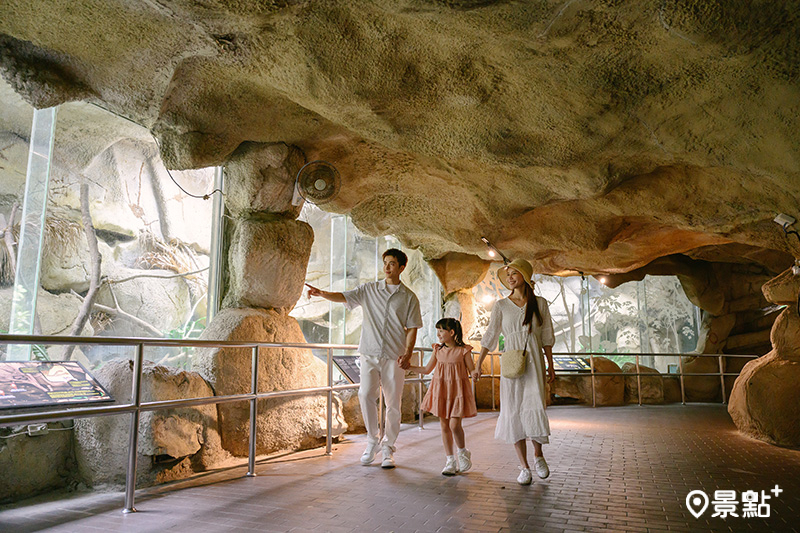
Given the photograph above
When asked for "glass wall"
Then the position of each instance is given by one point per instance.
(152, 235)
(341, 259)
(651, 316)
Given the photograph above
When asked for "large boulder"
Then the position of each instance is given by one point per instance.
(158, 297)
(459, 271)
(267, 262)
(652, 386)
(261, 177)
(764, 401)
(56, 312)
(283, 423)
(173, 443)
(34, 464)
(609, 390)
(699, 388)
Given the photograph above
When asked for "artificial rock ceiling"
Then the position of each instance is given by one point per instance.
(584, 135)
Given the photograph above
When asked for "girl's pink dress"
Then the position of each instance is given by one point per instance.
(450, 391)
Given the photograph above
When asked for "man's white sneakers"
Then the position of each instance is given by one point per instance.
(542, 470)
(369, 453)
(388, 458)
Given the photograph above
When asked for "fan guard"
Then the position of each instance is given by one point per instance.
(318, 182)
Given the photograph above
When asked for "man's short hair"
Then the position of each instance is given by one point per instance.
(402, 259)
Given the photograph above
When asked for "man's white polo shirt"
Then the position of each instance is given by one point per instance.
(387, 314)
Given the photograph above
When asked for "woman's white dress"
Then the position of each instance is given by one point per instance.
(522, 400)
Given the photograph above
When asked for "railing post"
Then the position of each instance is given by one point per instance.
(591, 367)
(329, 438)
(680, 373)
(251, 452)
(419, 392)
(722, 380)
(491, 378)
(133, 435)
(638, 380)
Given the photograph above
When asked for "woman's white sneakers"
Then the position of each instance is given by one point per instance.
(450, 467)
(542, 470)
(524, 477)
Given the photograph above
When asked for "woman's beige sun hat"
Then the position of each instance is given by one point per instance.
(521, 266)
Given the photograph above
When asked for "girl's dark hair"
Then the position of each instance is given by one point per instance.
(531, 307)
(453, 325)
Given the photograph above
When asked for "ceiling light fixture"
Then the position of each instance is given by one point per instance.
(493, 250)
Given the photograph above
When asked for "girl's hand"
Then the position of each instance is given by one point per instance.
(476, 375)
(551, 374)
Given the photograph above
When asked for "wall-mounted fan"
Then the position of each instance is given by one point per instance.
(317, 182)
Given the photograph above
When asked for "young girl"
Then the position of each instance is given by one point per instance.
(450, 395)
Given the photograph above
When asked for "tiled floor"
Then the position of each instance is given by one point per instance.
(614, 469)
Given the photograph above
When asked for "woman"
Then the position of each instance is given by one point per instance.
(524, 320)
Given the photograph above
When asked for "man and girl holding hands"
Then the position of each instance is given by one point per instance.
(389, 332)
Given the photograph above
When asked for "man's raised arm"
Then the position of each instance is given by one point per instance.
(331, 296)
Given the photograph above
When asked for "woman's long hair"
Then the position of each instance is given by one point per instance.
(531, 307)
(453, 325)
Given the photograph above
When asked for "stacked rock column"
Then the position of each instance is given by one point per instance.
(267, 260)
(765, 398)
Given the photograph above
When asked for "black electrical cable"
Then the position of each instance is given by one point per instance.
(787, 231)
(790, 232)
(203, 196)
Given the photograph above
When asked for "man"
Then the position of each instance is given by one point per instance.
(388, 334)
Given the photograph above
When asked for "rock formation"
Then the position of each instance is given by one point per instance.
(595, 137)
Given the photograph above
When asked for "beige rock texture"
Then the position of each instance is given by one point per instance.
(764, 400)
(25, 473)
(166, 436)
(652, 386)
(283, 423)
(459, 271)
(267, 262)
(595, 137)
(609, 390)
(261, 177)
(783, 289)
(589, 136)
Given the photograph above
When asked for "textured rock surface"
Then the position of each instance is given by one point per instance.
(765, 399)
(165, 436)
(260, 177)
(585, 136)
(652, 386)
(25, 473)
(267, 263)
(283, 423)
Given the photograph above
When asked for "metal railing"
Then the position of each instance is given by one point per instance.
(593, 374)
(136, 406)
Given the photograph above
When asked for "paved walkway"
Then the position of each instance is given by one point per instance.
(614, 469)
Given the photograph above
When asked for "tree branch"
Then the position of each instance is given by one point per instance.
(179, 275)
(94, 280)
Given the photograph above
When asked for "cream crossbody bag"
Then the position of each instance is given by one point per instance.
(512, 363)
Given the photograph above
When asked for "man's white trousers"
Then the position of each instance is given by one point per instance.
(377, 372)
